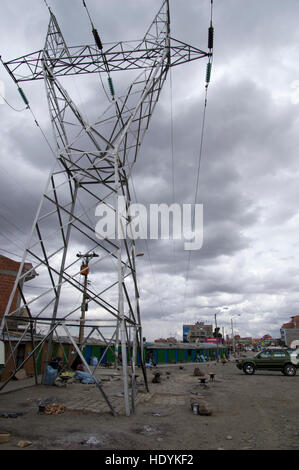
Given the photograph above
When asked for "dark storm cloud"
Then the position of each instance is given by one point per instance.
(248, 178)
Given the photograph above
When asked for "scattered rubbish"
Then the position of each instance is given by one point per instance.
(54, 409)
(41, 408)
(200, 407)
(4, 437)
(197, 372)
(159, 439)
(21, 375)
(92, 441)
(148, 430)
(181, 367)
(229, 438)
(23, 444)
(11, 415)
(195, 408)
(156, 379)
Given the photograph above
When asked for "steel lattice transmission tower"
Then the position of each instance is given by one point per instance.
(93, 165)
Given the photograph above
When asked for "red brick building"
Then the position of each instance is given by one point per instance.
(8, 273)
(294, 323)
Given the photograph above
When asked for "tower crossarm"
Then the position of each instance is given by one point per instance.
(88, 59)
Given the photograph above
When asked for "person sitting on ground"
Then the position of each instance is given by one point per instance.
(76, 362)
(53, 368)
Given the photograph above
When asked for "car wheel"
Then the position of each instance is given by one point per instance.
(249, 368)
(289, 370)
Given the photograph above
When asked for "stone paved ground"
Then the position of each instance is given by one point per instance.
(249, 412)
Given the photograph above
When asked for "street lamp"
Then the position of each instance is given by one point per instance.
(232, 326)
(217, 337)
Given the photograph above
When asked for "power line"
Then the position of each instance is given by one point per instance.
(172, 155)
(47, 5)
(11, 253)
(99, 44)
(148, 252)
(12, 107)
(208, 76)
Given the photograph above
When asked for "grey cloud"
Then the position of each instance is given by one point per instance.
(248, 179)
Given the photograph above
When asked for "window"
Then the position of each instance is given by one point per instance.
(279, 354)
(265, 354)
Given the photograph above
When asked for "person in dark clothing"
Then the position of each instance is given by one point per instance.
(76, 362)
(56, 363)
(52, 370)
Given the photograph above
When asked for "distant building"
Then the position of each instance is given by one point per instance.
(197, 333)
(8, 273)
(294, 323)
(290, 332)
(166, 341)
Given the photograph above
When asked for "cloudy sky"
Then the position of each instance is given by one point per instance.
(247, 268)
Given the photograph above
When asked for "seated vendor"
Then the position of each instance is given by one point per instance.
(52, 370)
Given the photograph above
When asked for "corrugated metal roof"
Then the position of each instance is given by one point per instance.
(183, 346)
(62, 339)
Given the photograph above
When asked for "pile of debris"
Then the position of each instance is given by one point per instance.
(52, 409)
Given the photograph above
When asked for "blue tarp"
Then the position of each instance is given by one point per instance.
(51, 375)
(84, 377)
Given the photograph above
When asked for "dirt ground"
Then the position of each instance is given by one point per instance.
(258, 412)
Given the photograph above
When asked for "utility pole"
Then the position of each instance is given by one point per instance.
(217, 336)
(233, 337)
(84, 271)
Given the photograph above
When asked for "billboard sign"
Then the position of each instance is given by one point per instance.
(186, 329)
(213, 340)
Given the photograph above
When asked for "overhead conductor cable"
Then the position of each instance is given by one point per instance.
(100, 47)
(208, 77)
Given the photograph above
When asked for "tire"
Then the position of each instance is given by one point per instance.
(289, 370)
(249, 368)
